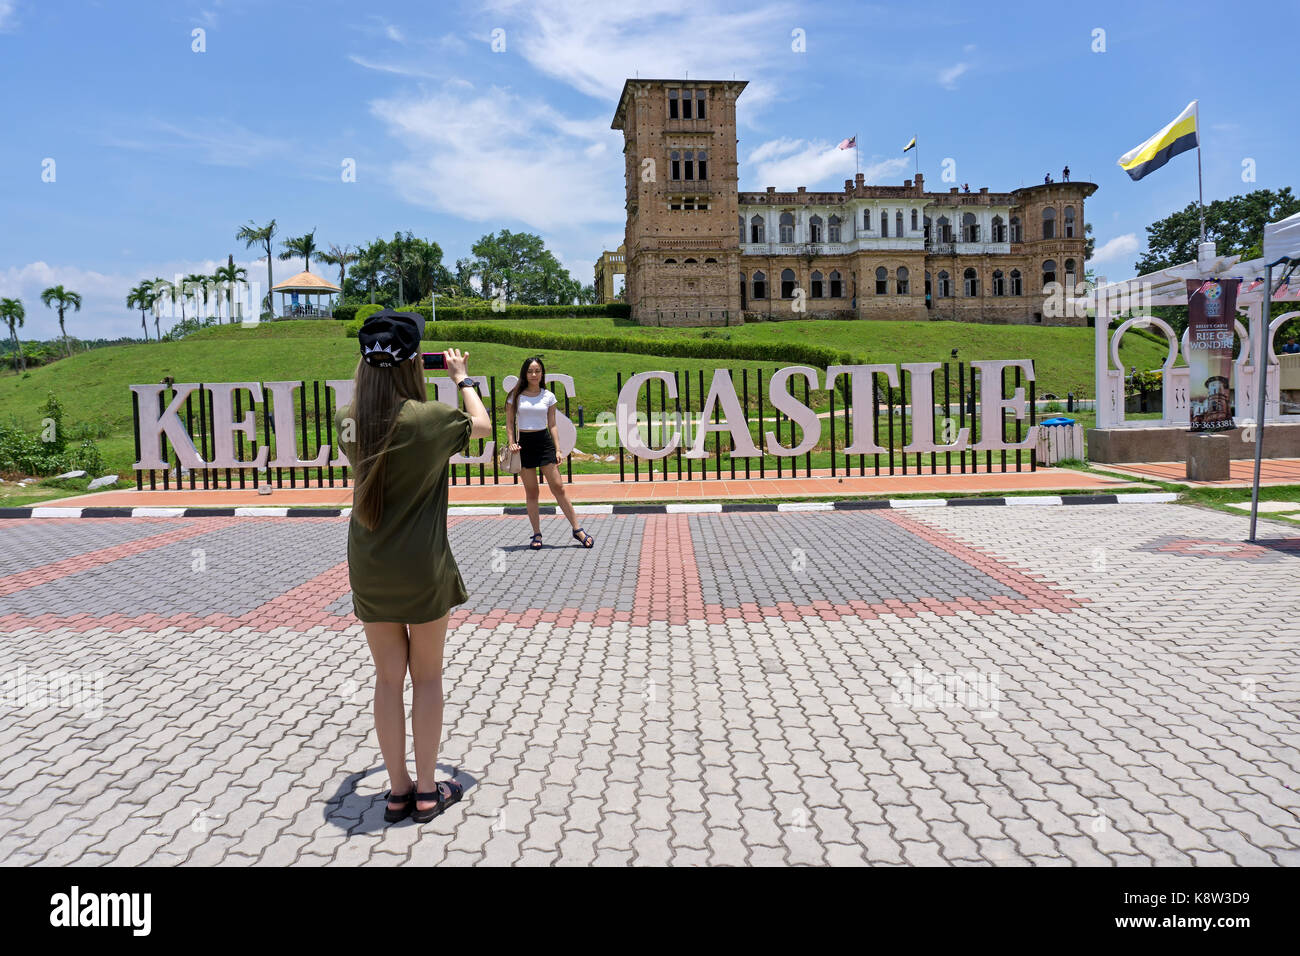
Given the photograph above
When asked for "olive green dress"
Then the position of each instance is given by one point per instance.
(403, 571)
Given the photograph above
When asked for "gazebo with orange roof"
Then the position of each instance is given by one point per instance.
(309, 285)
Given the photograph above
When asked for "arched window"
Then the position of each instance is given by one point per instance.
(866, 220)
(1049, 271)
(914, 220)
(816, 291)
(760, 286)
(999, 284)
(971, 281)
(1069, 224)
(1070, 278)
(833, 229)
(702, 157)
(1049, 223)
(787, 283)
(710, 259)
(927, 229)
(837, 286)
(882, 280)
(815, 229)
(999, 229)
(970, 229)
(689, 164)
(945, 229)
(787, 227)
(898, 223)
(1015, 229)
(756, 234)
(884, 222)
(676, 163)
(684, 261)
(944, 290)
(900, 279)
(686, 104)
(699, 109)
(1015, 283)
(669, 262)
(672, 104)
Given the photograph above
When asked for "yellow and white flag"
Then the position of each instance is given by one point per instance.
(910, 145)
(1178, 137)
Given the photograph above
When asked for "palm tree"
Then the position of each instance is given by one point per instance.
(395, 259)
(160, 289)
(11, 311)
(197, 286)
(227, 277)
(370, 263)
(341, 257)
(260, 235)
(61, 299)
(301, 246)
(141, 297)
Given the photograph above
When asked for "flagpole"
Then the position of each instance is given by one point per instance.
(1200, 190)
(857, 163)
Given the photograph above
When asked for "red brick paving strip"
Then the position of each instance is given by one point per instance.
(191, 527)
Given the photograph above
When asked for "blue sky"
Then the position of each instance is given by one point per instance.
(161, 153)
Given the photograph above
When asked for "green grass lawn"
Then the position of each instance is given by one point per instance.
(93, 385)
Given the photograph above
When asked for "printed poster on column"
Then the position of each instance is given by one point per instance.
(1211, 311)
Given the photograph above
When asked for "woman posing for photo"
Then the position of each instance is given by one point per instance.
(530, 418)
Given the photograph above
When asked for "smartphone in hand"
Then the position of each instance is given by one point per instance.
(435, 360)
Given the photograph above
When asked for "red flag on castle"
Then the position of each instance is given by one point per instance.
(850, 143)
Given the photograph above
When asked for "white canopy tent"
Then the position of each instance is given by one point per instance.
(1281, 251)
(1135, 297)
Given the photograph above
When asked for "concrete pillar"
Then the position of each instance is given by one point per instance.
(1207, 457)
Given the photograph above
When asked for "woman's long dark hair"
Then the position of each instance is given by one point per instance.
(376, 399)
(523, 379)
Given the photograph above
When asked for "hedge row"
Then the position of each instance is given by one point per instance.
(780, 352)
(617, 310)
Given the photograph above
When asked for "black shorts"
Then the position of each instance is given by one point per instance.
(537, 449)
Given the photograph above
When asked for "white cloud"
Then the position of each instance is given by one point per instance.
(215, 141)
(103, 309)
(948, 77)
(399, 69)
(787, 163)
(1121, 247)
(8, 15)
(595, 54)
(491, 155)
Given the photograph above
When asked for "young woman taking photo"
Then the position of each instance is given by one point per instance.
(403, 576)
(530, 420)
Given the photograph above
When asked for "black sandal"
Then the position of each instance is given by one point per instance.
(454, 792)
(536, 544)
(408, 806)
(586, 539)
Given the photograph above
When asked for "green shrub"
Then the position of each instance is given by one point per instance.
(47, 452)
(364, 312)
(503, 334)
(345, 313)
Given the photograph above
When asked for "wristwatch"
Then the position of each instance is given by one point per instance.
(468, 382)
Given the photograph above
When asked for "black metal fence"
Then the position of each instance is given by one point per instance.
(962, 394)
(890, 418)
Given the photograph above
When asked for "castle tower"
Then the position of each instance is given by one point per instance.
(682, 237)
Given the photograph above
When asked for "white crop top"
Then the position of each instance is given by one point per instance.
(531, 414)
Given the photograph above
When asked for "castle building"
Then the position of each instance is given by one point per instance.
(700, 252)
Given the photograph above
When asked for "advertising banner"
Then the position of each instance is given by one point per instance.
(1211, 309)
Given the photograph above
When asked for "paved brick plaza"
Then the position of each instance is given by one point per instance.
(1106, 684)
